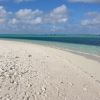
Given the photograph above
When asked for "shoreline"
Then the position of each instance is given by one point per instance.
(84, 54)
(37, 72)
(87, 55)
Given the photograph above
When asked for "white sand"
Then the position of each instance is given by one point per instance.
(35, 72)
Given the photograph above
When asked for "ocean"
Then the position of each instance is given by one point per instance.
(86, 44)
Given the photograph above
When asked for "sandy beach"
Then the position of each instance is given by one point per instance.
(36, 72)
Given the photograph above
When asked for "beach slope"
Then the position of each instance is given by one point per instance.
(35, 72)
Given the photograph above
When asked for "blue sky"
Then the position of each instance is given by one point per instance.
(50, 16)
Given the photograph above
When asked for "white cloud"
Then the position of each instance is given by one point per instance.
(19, 1)
(2, 12)
(59, 10)
(28, 13)
(92, 14)
(3, 15)
(91, 22)
(58, 15)
(93, 19)
(85, 1)
(29, 16)
(2, 20)
(13, 21)
(29, 19)
(38, 20)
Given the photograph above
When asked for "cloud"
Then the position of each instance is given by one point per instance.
(93, 19)
(28, 16)
(30, 20)
(19, 1)
(58, 15)
(3, 15)
(92, 14)
(85, 1)
(2, 12)
(28, 13)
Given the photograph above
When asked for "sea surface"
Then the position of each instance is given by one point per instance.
(84, 44)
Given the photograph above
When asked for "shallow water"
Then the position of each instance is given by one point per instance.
(87, 49)
(94, 50)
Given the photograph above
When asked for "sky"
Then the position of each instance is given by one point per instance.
(50, 16)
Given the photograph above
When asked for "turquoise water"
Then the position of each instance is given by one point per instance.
(68, 38)
(88, 44)
(87, 49)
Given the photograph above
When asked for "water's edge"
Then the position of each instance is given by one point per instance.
(86, 55)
